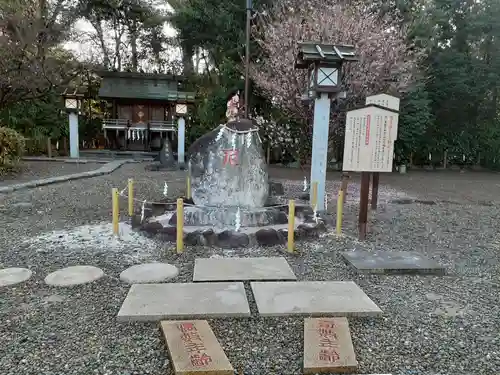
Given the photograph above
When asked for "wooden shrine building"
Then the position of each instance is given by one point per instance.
(144, 110)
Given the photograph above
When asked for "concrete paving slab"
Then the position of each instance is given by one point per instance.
(153, 302)
(74, 275)
(13, 276)
(149, 273)
(328, 346)
(314, 298)
(194, 349)
(236, 269)
(392, 262)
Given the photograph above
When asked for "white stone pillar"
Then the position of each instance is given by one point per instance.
(320, 147)
(181, 140)
(74, 149)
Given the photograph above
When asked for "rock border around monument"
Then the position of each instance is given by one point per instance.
(306, 228)
(227, 238)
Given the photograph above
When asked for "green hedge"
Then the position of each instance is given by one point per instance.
(12, 145)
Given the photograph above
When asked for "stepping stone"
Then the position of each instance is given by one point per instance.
(194, 349)
(149, 273)
(392, 262)
(153, 302)
(236, 269)
(317, 298)
(328, 346)
(12, 276)
(75, 275)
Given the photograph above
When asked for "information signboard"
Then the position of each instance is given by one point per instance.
(369, 139)
(384, 100)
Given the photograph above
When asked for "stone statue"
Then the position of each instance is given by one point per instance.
(233, 107)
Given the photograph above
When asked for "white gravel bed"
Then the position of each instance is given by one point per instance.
(431, 325)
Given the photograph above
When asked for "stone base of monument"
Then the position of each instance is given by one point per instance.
(215, 226)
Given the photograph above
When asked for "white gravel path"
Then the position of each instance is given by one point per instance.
(432, 325)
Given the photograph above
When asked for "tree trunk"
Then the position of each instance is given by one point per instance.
(133, 45)
(187, 59)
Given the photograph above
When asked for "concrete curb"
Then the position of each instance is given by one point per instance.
(65, 160)
(105, 169)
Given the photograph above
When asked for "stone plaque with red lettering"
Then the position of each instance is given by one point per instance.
(328, 346)
(194, 349)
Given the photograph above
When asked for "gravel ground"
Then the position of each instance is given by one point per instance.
(431, 325)
(35, 170)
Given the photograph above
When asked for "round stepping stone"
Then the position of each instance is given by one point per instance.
(149, 273)
(12, 276)
(75, 275)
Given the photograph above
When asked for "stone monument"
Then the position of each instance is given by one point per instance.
(166, 155)
(165, 159)
(227, 165)
(232, 203)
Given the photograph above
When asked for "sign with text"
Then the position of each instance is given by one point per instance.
(370, 133)
(194, 349)
(384, 100)
(328, 346)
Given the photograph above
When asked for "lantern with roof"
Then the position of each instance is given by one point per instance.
(323, 63)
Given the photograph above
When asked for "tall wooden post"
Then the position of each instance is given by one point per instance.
(363, 204)
(375, 182)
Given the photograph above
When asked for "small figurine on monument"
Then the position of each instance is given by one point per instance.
(234, 110)
(233, 107)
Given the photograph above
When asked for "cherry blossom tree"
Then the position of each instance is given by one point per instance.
(386, 62)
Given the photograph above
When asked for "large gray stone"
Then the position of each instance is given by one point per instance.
(232, 269)
(316, 298)
(228, 167)
(154, 302)
(149, 273)
(15, 275)
(75, 275)
(392, 262)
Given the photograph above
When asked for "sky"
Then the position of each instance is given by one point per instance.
(85, 49)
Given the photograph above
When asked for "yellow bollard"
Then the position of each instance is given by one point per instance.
(291, 226)
(130, 197)
(188, 186)
(180, 226)
(116, 210)
(314, 198)
(340, 209)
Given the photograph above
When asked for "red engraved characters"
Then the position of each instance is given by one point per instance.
(327, 341)
(230, 156)
(367, 132)
(194, 345)
(198, 360)
(328, 355)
